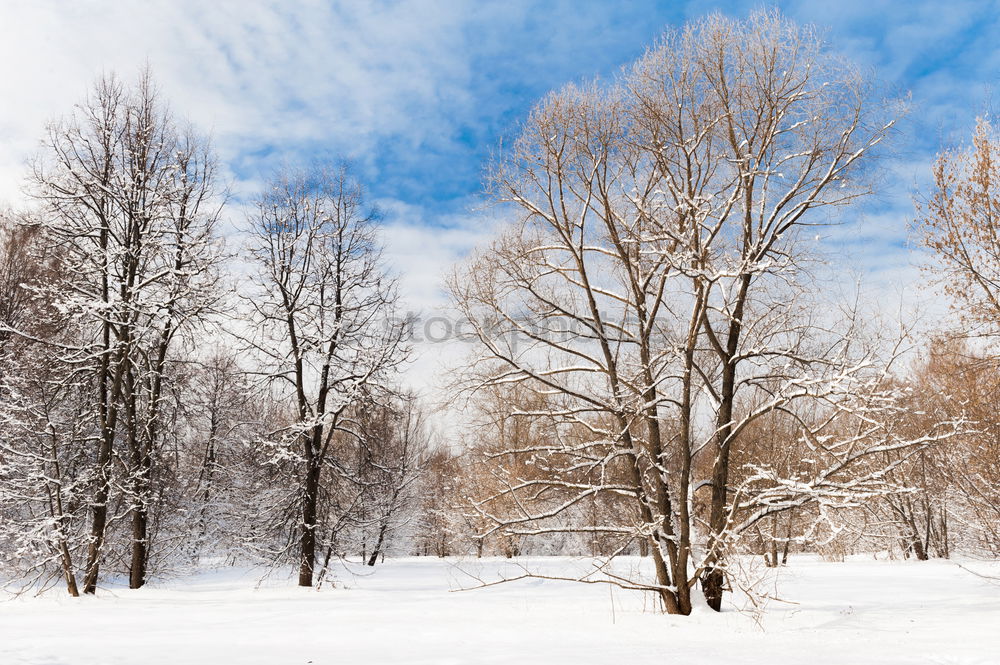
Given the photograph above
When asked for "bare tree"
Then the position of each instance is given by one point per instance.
(958, 223)
(129, 202)
(324, 309)
(657, 276)
(393, 442)
(43, 479)
(955, 500)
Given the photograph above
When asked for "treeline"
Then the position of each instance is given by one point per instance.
(938, 500)
(155, 412)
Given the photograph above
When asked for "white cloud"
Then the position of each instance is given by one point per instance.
(423, 250)
(272, 82)
(275, 81)
(259, 75)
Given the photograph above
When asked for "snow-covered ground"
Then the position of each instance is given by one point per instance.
(861, 611)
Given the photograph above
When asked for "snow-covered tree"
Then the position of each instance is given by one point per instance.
(655, 287)
(325, 332)
(392, 444)
(126, 200)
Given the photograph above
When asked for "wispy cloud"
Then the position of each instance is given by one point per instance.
(419, 93)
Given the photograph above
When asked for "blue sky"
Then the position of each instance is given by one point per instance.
(505, 56)
(948, 62)
(419, 93)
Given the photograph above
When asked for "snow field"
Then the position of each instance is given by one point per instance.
(405, 611)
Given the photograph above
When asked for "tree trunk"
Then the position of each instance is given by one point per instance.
(788, 541)
(108, 407)
(378, 545)
(71, 583)
(99, 515)
(144, 442)
(712, 585)
(713, 582)
(140, 550)
(945, 552)
(310, 499)
(67, 567)
(207, 478)
(326, 564)
(57, 512)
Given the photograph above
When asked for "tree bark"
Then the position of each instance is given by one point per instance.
(307, 541)
(378, 545)
(99, 515)
(140, 549)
